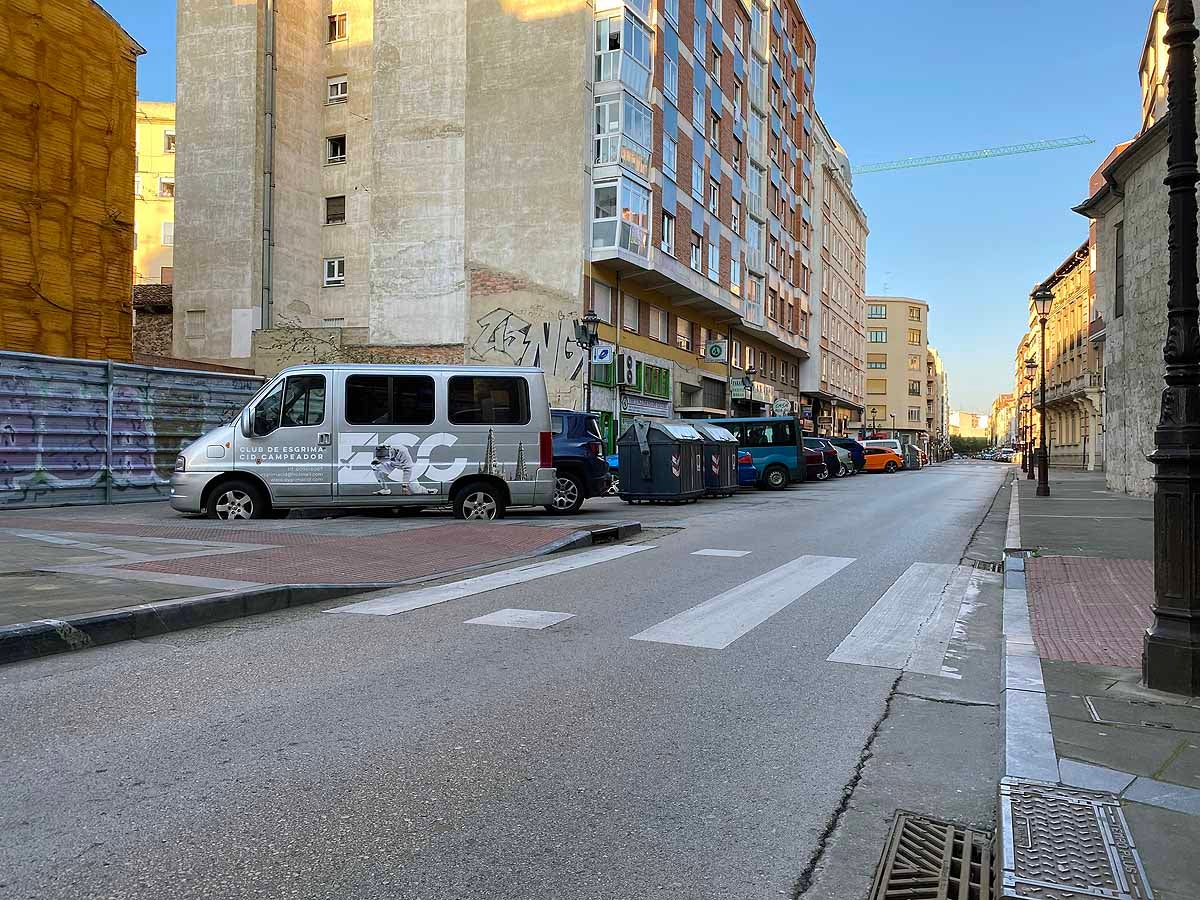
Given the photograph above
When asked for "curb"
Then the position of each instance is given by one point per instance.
(46, 637)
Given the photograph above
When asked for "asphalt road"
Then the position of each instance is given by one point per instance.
(318, 753)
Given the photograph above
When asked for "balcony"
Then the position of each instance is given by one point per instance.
(1096, 330)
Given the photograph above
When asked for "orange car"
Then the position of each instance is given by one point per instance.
(883, 459)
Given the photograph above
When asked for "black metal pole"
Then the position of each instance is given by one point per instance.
(1171, 654)
(1032, 454)
(1043, 488)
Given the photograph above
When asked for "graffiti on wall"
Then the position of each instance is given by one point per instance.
(62, 441)
(507, 339)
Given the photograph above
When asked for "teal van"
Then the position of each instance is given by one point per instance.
(776, 444)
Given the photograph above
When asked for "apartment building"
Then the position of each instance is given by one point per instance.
(154, 194)
(897, 352)
(68, 75)
(937, 396)
(1002, 421)
(394, 193)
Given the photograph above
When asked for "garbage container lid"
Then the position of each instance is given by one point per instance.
(716, 433)
(679, 431)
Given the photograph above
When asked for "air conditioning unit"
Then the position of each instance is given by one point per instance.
(627, 370)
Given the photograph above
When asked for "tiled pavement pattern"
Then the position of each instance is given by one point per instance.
(397, 556)
(1089, 610)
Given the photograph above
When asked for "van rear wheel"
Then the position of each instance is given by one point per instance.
(776, 478)
(478, 501)
(236, 500)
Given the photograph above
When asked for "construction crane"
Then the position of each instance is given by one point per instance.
(1011, 150)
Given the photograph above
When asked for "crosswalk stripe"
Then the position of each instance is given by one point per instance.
(430, 596)
(910, 627)
(717, 623)
(731, 554)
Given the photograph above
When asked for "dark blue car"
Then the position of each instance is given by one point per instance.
(857, 450)
(579, 460)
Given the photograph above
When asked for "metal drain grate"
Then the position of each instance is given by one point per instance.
(931, 860)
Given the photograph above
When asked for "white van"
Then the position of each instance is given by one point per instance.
(477, 438)
(890, 444)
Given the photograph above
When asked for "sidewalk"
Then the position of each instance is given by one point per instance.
(1077, 714)
(70, 576)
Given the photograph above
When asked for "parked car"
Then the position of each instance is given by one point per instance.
(889, 443)
(840, 464)
(747, 473)
(856, 450)
(581, 469)
(322, 435)
(774, 445)
(817, 467)
(884, 459)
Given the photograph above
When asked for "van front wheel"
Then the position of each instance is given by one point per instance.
(478, 501)
(235, 500)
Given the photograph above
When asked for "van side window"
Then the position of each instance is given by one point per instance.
(389, 400)
(785, 435)
(266, 412)
(759, 435)
(304, 401)
(488, 400)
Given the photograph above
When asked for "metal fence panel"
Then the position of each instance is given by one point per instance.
(75, 431)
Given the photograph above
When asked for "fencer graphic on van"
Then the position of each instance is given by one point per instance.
(478, 439)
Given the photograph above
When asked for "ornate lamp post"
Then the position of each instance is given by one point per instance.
(1084, 427)
(874, 419)
(1042, 301)
(1030, 368)
(1171, 654)
(586, 337)
(893, 426)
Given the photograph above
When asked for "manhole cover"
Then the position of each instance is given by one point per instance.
(1150, 713)
(1066, 844)
(927, 859)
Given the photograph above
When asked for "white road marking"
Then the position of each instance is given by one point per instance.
(521, 618)
(430, 596)
(732, 554)
(911, 625)
(718, 622)
(1012, 535)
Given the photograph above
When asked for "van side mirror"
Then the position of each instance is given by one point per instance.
(246, 422)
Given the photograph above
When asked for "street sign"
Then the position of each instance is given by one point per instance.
(716, 351)
(782, 407)
(604, 354)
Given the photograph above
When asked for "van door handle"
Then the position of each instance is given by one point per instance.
(324, 439)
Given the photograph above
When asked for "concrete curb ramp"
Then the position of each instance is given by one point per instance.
(46, 637)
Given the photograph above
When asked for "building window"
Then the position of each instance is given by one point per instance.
(1119, 273)
(714, 130)
(668, 233)
(608, 47)
(169, 141)
(604, 214)
(877, 336)
(914, 364)
(608, 128)
(735, 274)
(670, 155)
(630, 313)
(697, 181)
(875, 385)
(337, 27)
(335, 148)
(714, 195)
(914, 314)
(714, 64)
(338, 89)
(771, 366)
(602, 299)
(914, 336)
(335, 210)
(166, 186)
(671, 9)
(736, 356)
(914, 389)
(876, 360)
(876, 311)
(914, 414)
(735, 217)
(739, 35)
(658, 324)
(698, 107)
(335, 271)
(193, 323)
(696, 261)
(168, 234)
(683, 334)
(671, 77)
(714, 261)
(334, 322)
(166, 275)
(737, 154)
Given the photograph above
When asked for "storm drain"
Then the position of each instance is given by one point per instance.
(1066, 844)
(930, 860)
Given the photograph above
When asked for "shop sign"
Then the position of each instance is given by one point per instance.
(645, 406)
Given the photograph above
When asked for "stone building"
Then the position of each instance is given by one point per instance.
(1002, 421)
(937, 396)
(68, 85)
(897, 384)
(400, 191)
(152, 320)
(154, 195)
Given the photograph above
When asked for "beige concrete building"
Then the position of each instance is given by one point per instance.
(937, 397)
(897, 354)
(374, 180)
(154, 194)
(969, 424)
(1002, 421)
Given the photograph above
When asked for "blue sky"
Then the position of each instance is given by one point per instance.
(898, 78)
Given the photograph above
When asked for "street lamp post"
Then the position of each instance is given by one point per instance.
(1030, 368)
(1171, 654)
(874, 419)
(894, 427)
(1084, 427)
(1042, 301)
(586, 337)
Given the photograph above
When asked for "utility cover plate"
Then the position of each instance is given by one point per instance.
(1147, 713)
(1060, 843)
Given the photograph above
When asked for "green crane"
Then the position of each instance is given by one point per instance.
(1011, 150)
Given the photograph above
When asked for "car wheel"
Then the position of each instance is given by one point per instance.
(843, 471)
(478, 501)
(237, 500)
(823, 473)
(776, 478)
(890, 467)
(568, 495)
